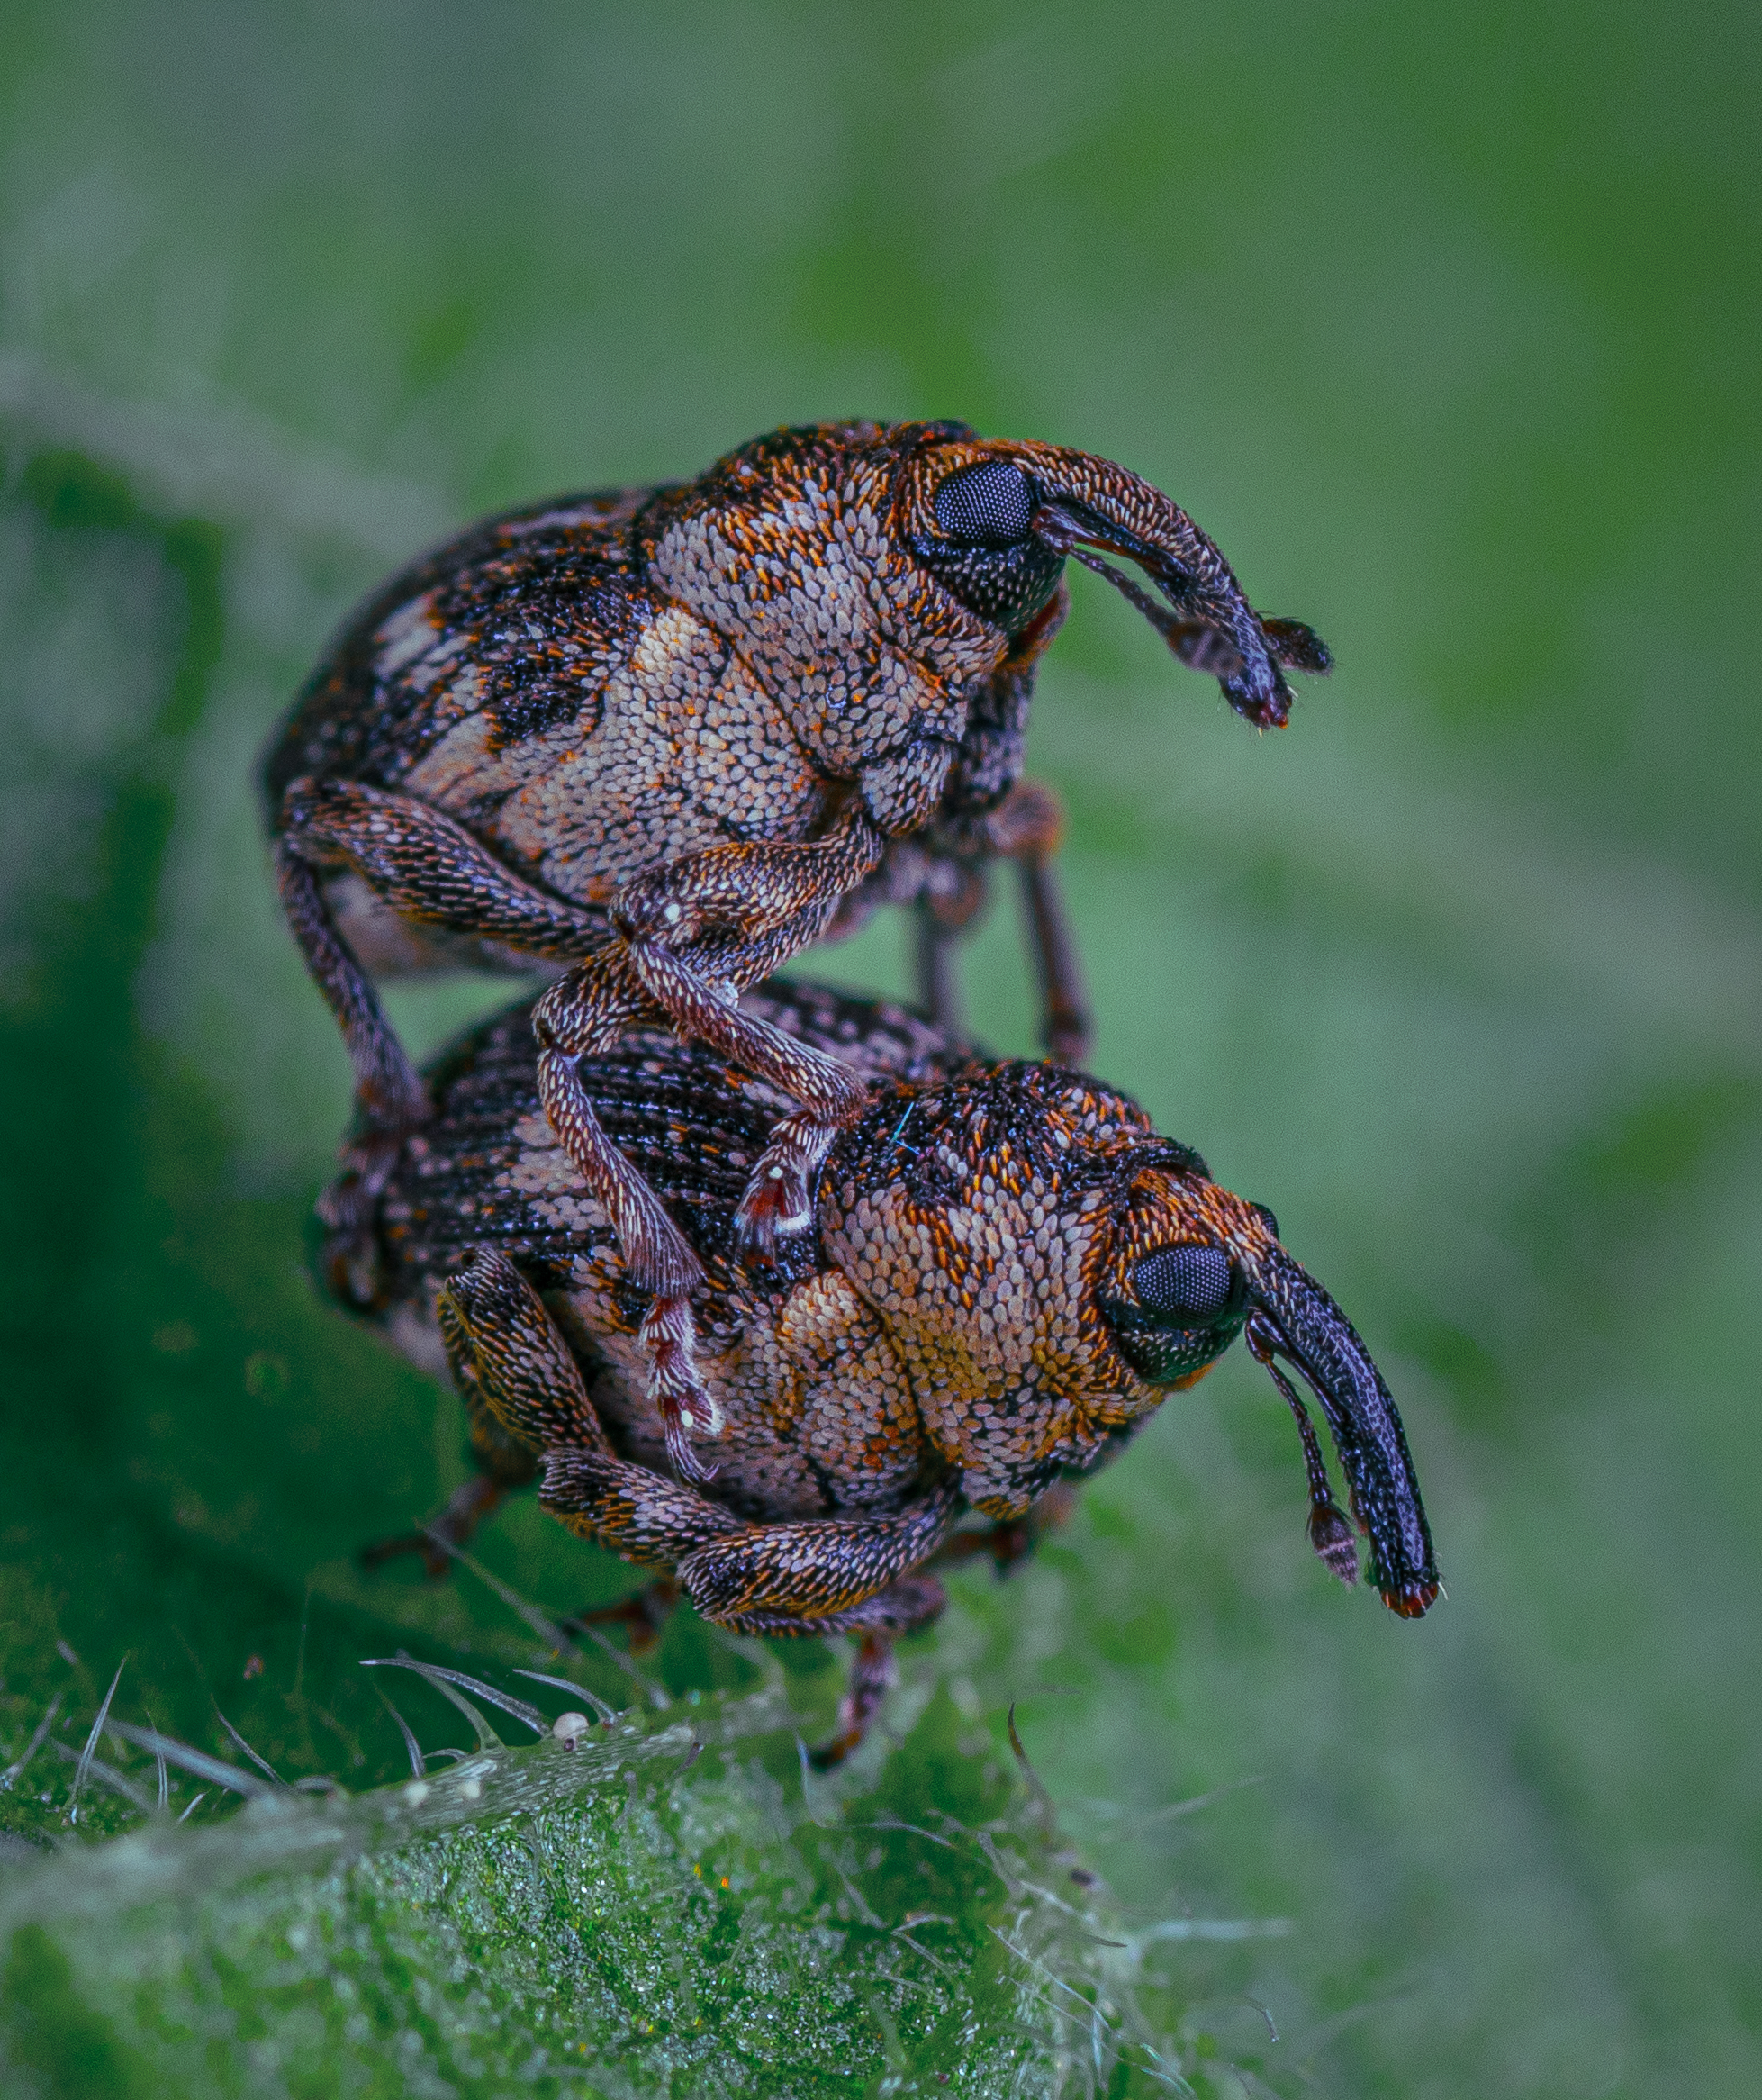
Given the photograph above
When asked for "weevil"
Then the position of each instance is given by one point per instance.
(666, 738)
(1008, 1271)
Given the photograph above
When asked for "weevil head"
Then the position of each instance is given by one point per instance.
(874, 575)
(1190, 1266)
(995, 523)
(1027, 1240)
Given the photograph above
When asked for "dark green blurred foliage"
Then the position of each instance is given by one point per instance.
(1443, 323)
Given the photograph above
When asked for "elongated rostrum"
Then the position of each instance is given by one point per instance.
(1006, 1273)
(663, 738)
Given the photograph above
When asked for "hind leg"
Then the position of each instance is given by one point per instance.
(697, 932)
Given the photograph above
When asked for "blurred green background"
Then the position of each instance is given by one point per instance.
(1443, 323)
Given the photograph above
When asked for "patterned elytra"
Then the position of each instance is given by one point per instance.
(988, 505)
(1186, 1283)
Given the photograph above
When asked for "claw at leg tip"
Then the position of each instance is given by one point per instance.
(1414, 1601)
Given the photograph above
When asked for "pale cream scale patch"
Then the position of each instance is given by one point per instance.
(404, 635)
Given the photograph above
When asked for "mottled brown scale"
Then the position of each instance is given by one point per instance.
(663, 739)
(980, 1312)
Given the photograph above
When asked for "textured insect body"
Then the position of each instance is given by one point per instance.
(669, 737)
(1007, 1272)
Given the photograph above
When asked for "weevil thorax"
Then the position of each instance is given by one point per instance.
(989, 1221)
(790, 547)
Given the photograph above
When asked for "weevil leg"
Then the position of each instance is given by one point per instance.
(391, 1099)
(631, 1510)
(1011, 1540)
(740, 911)
(1027, 827)
(913, 1602)
(468, 1507)
(392, 1095)
(874, 1674)
(907, 1604)
(1066, 1030)
(933, 953)
(954, 894)
(524, 1391)
(646, 1612)
(778, 1194)
(582, 1016)
(491, 1356)
(510, 1361)
(697, 932)
(815, 1573)
(754, 890)
(427, 868)
(822, 1576)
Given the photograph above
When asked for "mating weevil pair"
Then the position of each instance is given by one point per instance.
(1008, 1271)
(668, 737)
(661, 740)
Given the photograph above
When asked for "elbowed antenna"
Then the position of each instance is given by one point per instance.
(1296, 1318)
(1090, 508)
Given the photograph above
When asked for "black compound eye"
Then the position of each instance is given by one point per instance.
(986, 505)
(1184, 1283)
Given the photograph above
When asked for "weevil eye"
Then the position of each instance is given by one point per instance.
(1184, 1284)
(1187, 1307)
(986, 505)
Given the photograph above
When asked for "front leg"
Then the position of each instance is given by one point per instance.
(779, 1193)
(822, 1575)
(1027, 826)
(829, 1575)
(643, 1614)
(954, 894)
(699, 931)
(814, 1576)
(825, 1576)
(1011, 1541)
(508, 1359)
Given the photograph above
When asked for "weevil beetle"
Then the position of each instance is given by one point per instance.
(1007, 1272)
(660, 736)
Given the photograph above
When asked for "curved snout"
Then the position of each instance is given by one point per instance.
(1087, 503)
(1319, 1340)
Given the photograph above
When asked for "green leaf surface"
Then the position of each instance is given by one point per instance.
(1443, 323)
(658, 1906)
